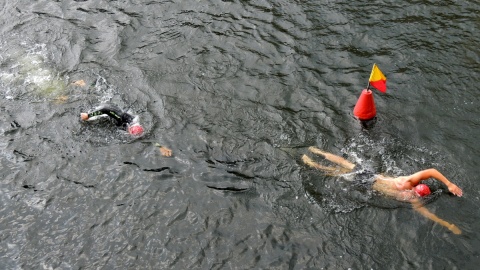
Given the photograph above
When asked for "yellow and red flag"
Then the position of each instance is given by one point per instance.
(377, 79)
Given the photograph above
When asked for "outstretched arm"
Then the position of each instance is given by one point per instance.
(87, 116)
(433, 173)
(426, 213)
(110, 110)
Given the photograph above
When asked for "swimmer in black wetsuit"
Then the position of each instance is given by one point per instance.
(122, 119)
(402, 188)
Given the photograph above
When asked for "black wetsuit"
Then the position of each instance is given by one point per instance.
(121, 118)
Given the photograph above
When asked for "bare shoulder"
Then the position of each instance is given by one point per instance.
(383, 177)
(383, 185)
(388, 187)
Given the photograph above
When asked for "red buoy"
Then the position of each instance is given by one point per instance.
(365, 108)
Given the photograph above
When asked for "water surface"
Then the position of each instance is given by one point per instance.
(238, 90)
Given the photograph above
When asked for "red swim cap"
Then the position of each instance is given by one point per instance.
(135, 130)
(422, 190)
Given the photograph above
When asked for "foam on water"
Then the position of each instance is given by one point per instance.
(26, 72)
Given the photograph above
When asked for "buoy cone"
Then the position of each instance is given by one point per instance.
(365, 107)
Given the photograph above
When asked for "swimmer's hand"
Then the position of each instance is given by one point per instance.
(455, 190)
(166, 152)
(84, 116)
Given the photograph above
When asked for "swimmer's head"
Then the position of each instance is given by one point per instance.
(422, 190)
(135, 129)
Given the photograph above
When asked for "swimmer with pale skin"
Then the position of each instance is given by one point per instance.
(122, 119)
(402, 188)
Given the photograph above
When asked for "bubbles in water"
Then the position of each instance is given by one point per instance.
(104, 89)
(26, 71)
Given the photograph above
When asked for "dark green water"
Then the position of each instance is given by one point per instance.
(238, 90)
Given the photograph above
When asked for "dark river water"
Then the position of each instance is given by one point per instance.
(238, 90)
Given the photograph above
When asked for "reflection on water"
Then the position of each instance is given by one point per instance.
(238, 91)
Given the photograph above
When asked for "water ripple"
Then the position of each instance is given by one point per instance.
(238, 90)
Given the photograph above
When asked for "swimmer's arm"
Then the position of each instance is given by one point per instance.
(416, 178)
(88, 116)
(113, 112)
(426, 213)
